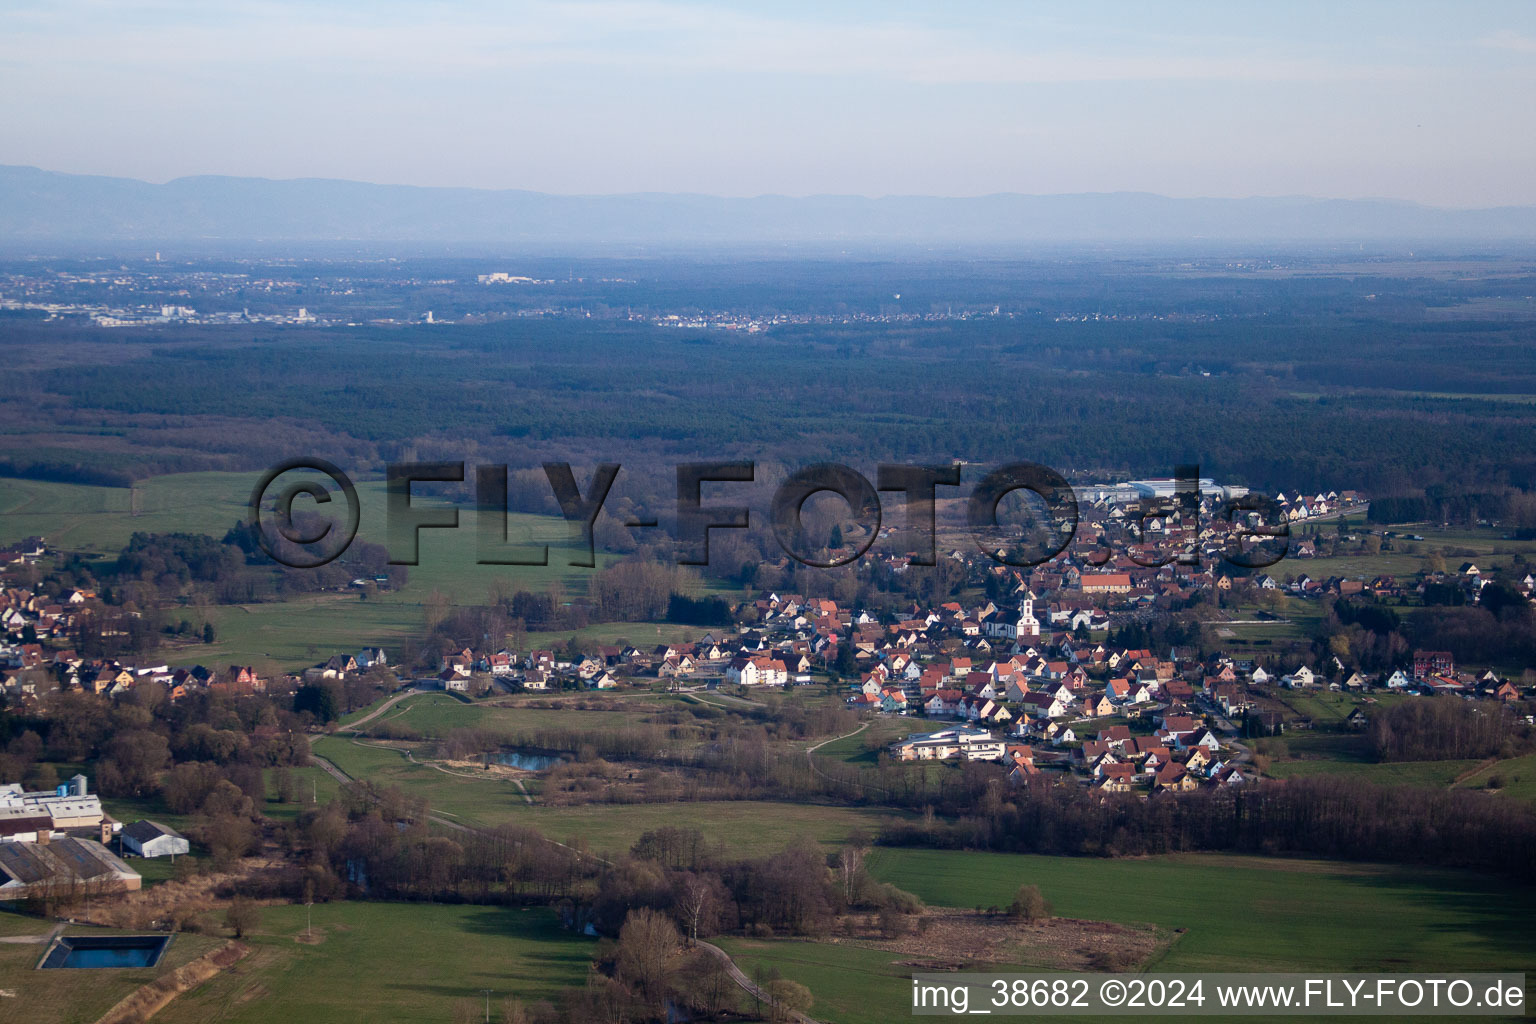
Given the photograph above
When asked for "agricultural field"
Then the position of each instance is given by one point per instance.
(99, 520)
(644, 635)
(745, 828)
(1348, 754)
(291, 635)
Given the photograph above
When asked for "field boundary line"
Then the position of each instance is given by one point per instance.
(1472, 773)
(149, 999)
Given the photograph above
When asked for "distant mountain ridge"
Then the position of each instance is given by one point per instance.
(49, 207)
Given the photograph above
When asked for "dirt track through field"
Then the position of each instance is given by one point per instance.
(150, 999)
(747, 985)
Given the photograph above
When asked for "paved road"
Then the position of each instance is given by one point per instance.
(746, 984)
(1229, 732)
(376, 712)
(810, 751)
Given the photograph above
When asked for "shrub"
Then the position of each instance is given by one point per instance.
(1029, 904)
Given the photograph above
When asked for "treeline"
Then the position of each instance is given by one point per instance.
(67, 473)
(1475, 634)
(673, 888)
(1319, 816)
(1432, 729)
(206, 757)
(134, 739)
(155, 569)
(698, 611)
(1442, 504)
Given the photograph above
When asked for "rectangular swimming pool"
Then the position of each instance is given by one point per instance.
(106, 951)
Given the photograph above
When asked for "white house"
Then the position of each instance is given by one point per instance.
(963, 742)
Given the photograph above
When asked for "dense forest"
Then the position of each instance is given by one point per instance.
(1279, 382)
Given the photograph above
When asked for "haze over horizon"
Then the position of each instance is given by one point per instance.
(1418, 101)
(42, 207)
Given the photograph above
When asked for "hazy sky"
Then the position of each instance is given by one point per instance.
(1428, 101)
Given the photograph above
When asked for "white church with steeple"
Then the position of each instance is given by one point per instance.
(1022, 627)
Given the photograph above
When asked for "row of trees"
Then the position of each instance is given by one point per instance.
(1320, 817)
(1436, 730)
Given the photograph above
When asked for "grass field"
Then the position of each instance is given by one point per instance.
(1349, 754)
(289, 635)
(388, 962)
(1389, 773)
(1238, 914)
(745, 827)
(850, 984)
(644, 635)
(80, 517)
(73, 996)
(311, 785)
(866, 746)
(1516, 775)
(12, 923)
(1252, 913)
(434, 714)
(100, 520)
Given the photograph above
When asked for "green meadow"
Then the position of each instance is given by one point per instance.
(743, 827)
(64, 996)
(1387, 773)
(98, 521)
(1513, 777)
(865, 746)
(388, 962)
(1227, 914)
(1253, 913)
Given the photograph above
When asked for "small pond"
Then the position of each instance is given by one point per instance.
(526, 761)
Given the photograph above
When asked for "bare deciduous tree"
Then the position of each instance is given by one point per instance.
(646, 942)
